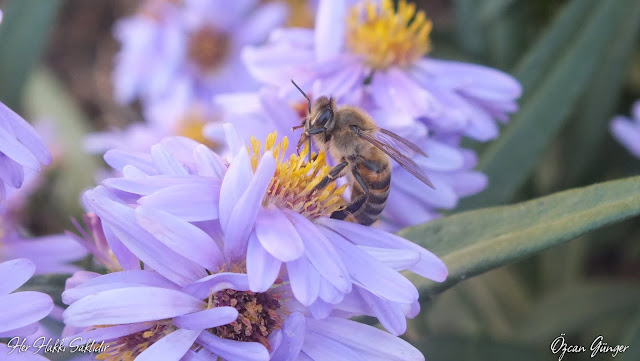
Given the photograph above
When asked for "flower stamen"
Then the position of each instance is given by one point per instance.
(386, 37)
(258, 315)
(293, 184)
(129, 347)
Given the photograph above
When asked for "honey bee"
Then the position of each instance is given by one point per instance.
(362, 150)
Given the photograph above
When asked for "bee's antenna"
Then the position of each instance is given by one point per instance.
(305, 95)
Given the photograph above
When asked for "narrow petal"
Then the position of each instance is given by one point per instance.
(293, 332)
(28, 330)
(329, 293)
(320, 309)
(233, 350)
(367, 340)
(218, 282)
(246, 210)
(330, 27)
(398, 260)
(322, 348)
(14, 274)
(152, 184)
(262, 268)
(193, 202)
(118, 159)
(181, 236)
(372, 274)
(121, 220)
(26, 134)
(15, 150)
(14, 352)
(116, 280)
(305, 280)
(26, 308)
(209, 163)
(105, 333)
(165, 161)
(130, 305)
(234, 141)
(235, 182)
(430, 265)
(171, 347)
(321, 253)
(277, 235)
(202, 320)
(389, 314)
(11, 172)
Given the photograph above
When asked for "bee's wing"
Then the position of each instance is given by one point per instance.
(399, 149)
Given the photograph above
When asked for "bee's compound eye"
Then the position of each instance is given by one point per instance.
(323, 118)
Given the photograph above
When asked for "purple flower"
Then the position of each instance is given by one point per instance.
(627, 130)
(142, 314)
(189, 51)
(21, 310)
(369, 52)
(410, 201)
(261, 210)
(20, 147)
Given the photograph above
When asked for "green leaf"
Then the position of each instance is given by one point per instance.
(25, 28)
(456, 348)
(590, 125)
(564, 69)
(573, 308)
(632, 336)
(474, 242)
(46, 98)
(471, 34)
(491, 10)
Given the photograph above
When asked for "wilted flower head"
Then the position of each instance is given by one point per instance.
(20, 147)
(22, 310)
(369, 51)
(627, 130)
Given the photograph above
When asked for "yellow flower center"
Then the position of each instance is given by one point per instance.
(127, 348)
(300, 13)
(386, 37)
(293, 184)
(191, 126)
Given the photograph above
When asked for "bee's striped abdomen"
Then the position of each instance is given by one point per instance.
(377, 177)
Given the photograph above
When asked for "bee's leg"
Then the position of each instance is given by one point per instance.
(333, 174)
(303, 138)
(356, 204)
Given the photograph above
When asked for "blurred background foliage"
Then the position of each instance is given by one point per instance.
(568, 263)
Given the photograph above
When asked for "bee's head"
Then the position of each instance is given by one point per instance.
(321, 119)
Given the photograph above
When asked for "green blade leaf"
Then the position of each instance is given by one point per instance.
(24, 31)
(456, 348)
(549, 101)
(474, 242)
(590, 126)
(573, 308)
(46, 98)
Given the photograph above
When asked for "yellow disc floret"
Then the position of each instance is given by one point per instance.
(386, 37)
(294, 181)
